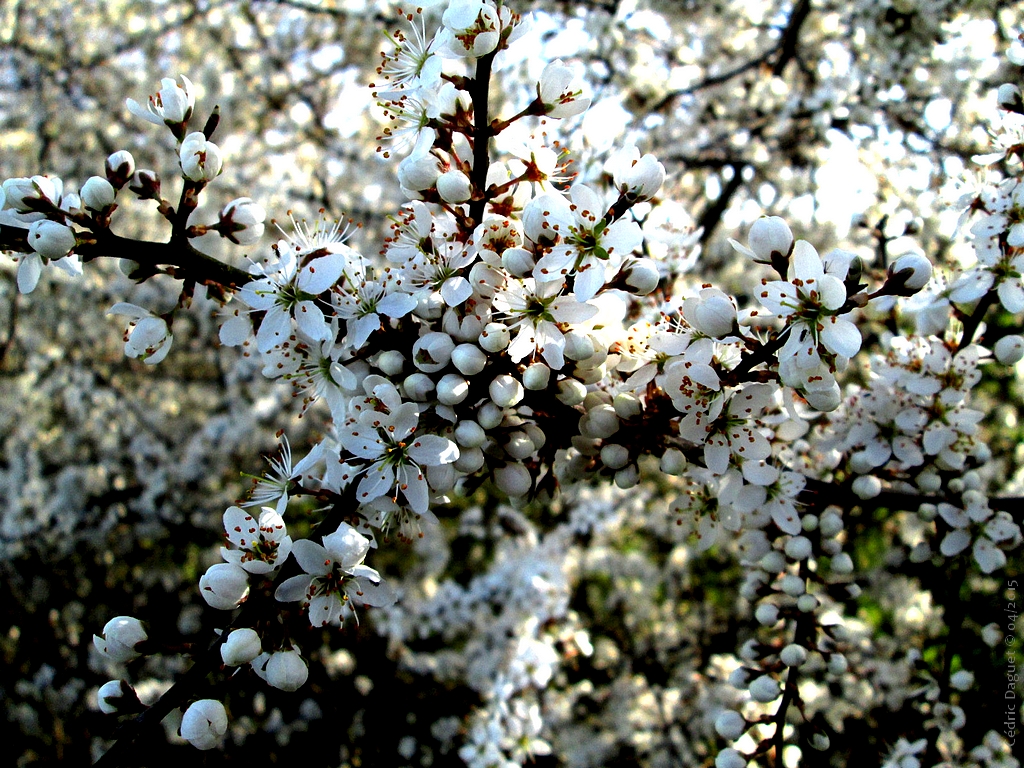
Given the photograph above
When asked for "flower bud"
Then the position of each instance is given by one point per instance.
(519, 446)
(200, 159)
(793, 655)
(432, 352)
(452, 389)
(770, 239)
(842, 563)
(764, 689)
(830, 524)
(866, 487)
(798, 548)
(117, 697)
(489, 415)
(98, 194)
(627, 477)
(712, 313)
(536, 376)
(454, 187)
(119, 638)
(513, 479)
(820, 741)
(730, 724)
(23, 194)
(614, 456)
(418, 386)
(418, 172)
(767, 614)
(792, 585)
(469, 434)
(469, 461)
(1009, 349)
(241, 647)
(641, 276)
(962, 680)
(286, 670)
(578, 346)
(391, 362)
(204, 723)
(600, 422)
(50, 239)
(1009, 98)
(730, 758)
(806, 603)
(673, 462)
(495, 337)
(571, 392)
(469, 359)
(627, 405)
(241, 221)
(119, 168)
(773, 562)
(908, 274)
(146, 184)
(739, 678)
(224, 586)
(505, 391)
(837, 664)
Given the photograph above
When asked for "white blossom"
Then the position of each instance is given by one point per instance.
(204, 723)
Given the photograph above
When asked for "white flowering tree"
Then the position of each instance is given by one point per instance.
(566, 480)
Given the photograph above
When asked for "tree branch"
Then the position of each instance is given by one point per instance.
(188, 263)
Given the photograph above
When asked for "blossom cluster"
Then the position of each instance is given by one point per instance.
(512, 330)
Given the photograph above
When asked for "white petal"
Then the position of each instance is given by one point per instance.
(841, 336)
(955, 542)
(30, 267)
(988, 556)
(433, 450)
(373, 594)
(322, 273)
(311, 321)
(456, 290)
(235, 331)
(396, 305)
(312, 557)
(414, 488)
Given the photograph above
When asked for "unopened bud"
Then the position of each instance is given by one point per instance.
(204, 723)
(764, 689)
(908, 274)
(224, 586)
(146, 184)
(241, 647)
(505, 391)
(771, 240)
(119, 168)
(98, 194)
(495, 337)
(469, 359)
(641, 276)
(1009, 98)
(536, 376)
(513, 479)
(454, 187)
(286, 670)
